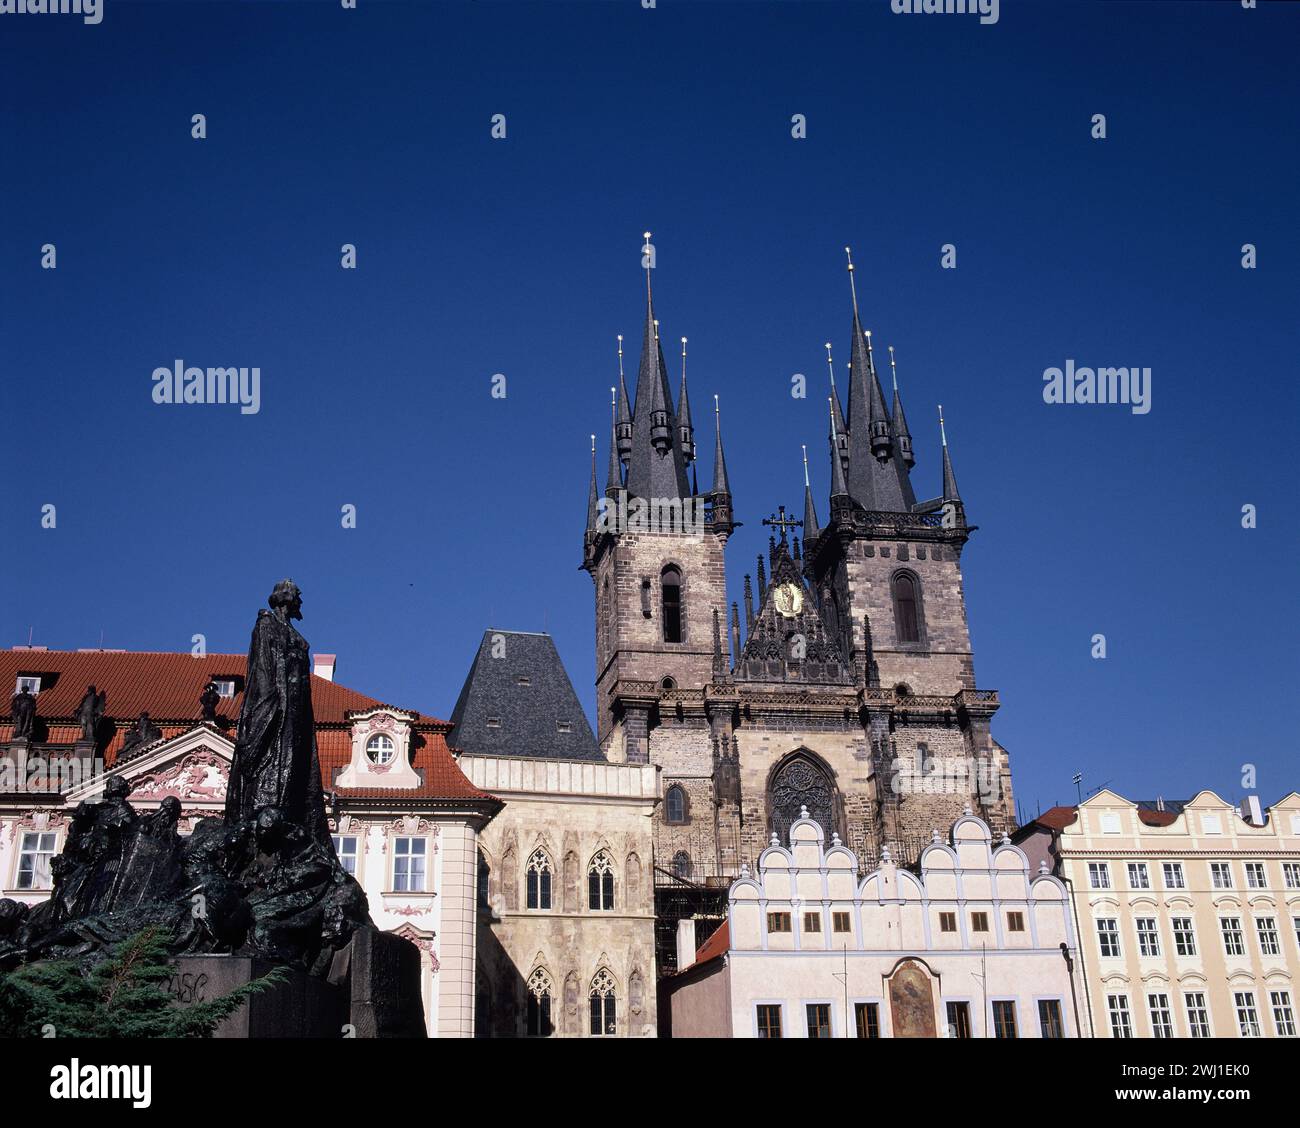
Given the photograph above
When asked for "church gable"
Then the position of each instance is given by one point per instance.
(193, 767)
(788, 640)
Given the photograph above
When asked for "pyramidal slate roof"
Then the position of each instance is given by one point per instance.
(518, 701)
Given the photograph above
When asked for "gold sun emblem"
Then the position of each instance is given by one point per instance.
(788, 599)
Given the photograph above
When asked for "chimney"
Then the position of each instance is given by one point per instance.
(1160, 802)
(1251, 812)
(685, 944)
(323, 666)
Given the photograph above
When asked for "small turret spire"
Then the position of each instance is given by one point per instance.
(614, 474)
(811, 528)
(749, 605)
(902, 436)
(838, 486)
(762, 581)
(685, 432)
(593, 502)
(837, 413)
(623, 424)
(721, 483)
(949, 478)
(719, 662)
(735, 633)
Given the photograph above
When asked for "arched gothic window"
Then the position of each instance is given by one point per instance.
(600, 882)
(682, 865)
(675, 805)
(540, 993)
(670, 587)
(601, 997)
(539, 880)
(907, 618)
(801, 782)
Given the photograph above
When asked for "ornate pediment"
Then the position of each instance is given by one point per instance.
(193, 767)
(788, 639)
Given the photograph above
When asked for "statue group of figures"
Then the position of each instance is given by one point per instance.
(261, 880)
(90, 716)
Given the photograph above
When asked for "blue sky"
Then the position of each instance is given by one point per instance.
(328, 126)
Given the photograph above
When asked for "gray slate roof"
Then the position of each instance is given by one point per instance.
(527, 691)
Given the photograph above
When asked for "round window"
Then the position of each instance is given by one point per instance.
(380, 749)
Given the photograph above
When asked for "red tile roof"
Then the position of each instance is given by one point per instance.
(716, 945)
(1058, 818)
(167, 686)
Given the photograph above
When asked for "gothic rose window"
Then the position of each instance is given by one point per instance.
(600, 882)
(801, 782)
(539, 880)
(601, 997)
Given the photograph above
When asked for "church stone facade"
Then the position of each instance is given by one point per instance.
(844, 681)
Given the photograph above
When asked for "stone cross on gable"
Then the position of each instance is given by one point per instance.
(782, 522)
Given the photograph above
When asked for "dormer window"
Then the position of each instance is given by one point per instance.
(379, 749)
(29, 682)
(494, 722)
(225, 686)
(563, 726)
(523, 679)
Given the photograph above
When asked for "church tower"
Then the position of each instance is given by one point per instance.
(654, 549)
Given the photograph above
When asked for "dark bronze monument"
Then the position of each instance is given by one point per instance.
(262, 883)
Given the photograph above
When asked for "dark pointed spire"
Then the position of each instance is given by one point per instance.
(749, 605)
(902, 436)
(685, 432)
(593, 496)
(811, 529)
(614, 476)
(719, 663)
(623, 425)
(735, 633)
(838, 486)
(949, 478)
(762, 581)
(656, 465)
(838, 426)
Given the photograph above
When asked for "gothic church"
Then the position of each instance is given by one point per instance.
(847, 684)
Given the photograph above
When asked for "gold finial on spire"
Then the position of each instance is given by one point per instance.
(613, 405)
(716, 408)
(683, 358)
(593, 446)
(852, 288)
(892, 368)
(830, 363)
(805, 464)
(942, 433)
(620, 356)
(656, 330)
(870, 360)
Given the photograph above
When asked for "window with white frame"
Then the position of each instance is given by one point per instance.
(1174, 875)
(1108, 935)
(1247, 1016)
(1121, 1022)
(1138, 877)
(345, 846)
(1266, 929)
(408, 864)
(1255, 877)
(225, 687)
(379, 749)
(1098, 875)
(35, 853)
(1148, 936)
(1221, 875)
(1198, 1014)
(1291, 874)
(1232, 941)
(1162, 1021)
(29, 682)
(1184, 936)
(1283, 1017)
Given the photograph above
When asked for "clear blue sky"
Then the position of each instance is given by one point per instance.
(521, 256)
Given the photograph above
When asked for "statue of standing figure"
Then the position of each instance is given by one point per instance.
(275, 762)
(90, 712)
(23, 712)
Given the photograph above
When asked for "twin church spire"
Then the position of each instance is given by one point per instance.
(652, 441)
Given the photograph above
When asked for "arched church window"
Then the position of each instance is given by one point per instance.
(540, 993)
(601, 997)
(801, 782)
(675, 805)
(682, 865)
(907, 621)
(539, 880)
(670, 585)
(600, 882)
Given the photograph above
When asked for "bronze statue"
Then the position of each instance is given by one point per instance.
(90, 712)
(208, 702)
(275, 763)
(23, 712)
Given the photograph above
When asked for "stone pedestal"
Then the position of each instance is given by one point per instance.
(303, 1006)
(382, 975)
